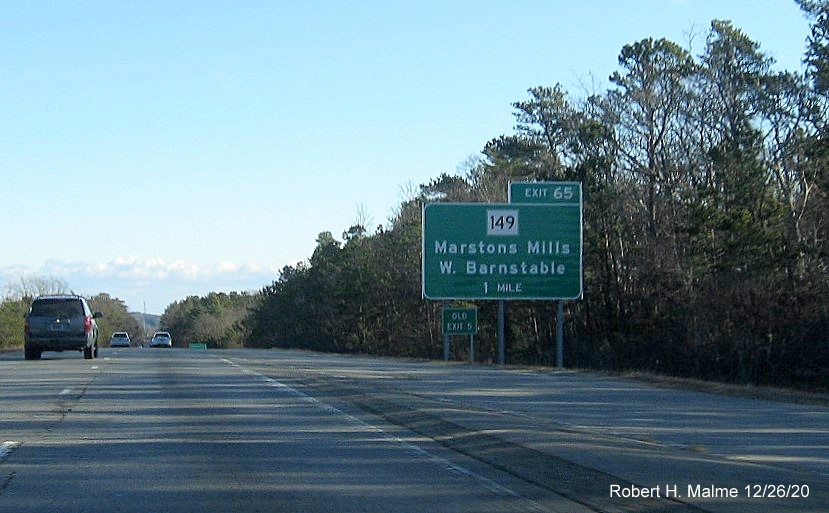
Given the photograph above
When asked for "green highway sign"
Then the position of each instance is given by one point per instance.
(502, 251)
(550, 193)
(460, 321)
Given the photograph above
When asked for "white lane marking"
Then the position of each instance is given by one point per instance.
(6, 448)
(487, 483)
(65, 391)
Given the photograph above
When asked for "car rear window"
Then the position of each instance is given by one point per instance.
(57, 308)
(119, 335)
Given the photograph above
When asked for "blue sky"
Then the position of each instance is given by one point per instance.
(159, 149)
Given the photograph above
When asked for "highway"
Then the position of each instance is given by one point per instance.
(140, 430)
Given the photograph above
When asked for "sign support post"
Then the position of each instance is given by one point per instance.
(471, 348)
(445, 337)
(560, 334)
(502, 344)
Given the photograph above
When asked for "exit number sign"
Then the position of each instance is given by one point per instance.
(460, 321)
(550, 193)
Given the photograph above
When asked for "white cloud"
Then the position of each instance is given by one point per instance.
(154, 281)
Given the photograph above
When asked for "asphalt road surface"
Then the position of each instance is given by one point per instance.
(142, 430)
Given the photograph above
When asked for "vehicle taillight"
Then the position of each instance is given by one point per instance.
(87, 324)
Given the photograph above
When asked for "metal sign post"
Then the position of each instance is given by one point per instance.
(446, 337)
(502, 339)
(560, 335)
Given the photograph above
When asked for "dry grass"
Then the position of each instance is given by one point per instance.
(755, 392)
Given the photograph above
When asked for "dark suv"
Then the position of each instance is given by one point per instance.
(61, 323)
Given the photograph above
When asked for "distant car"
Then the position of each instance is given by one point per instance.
(60, 323)
(161, 339)
(119, 339)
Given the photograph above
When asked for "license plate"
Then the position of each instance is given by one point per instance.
(57, 327)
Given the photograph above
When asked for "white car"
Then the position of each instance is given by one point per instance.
(161, 339)
(119, 339)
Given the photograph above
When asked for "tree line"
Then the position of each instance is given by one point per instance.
(18, 297)
(705, 238)
(215, 319)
